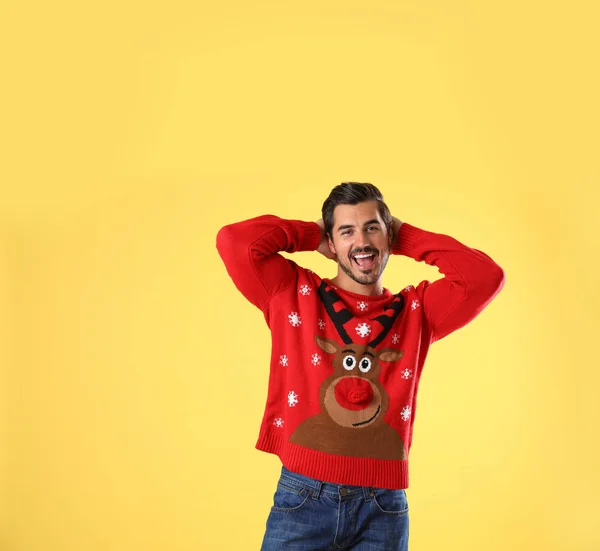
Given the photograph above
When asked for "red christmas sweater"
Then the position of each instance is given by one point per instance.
(345, 368)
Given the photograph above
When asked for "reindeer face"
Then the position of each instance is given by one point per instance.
(353, 396)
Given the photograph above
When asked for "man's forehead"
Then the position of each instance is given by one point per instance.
(360, 213)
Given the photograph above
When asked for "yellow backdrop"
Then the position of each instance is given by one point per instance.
(134, 375)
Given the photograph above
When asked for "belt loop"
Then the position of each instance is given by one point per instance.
(316, 492)
(367, 493)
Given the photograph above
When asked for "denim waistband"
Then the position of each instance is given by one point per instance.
(317, 487)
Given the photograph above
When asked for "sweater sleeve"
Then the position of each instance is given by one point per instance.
(250, 250)
(472, 279)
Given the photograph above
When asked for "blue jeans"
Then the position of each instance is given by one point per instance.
(311, 515)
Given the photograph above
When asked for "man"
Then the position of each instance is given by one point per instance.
(346, 361)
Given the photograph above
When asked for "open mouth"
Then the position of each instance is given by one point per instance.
(368, 420)
(364, 261)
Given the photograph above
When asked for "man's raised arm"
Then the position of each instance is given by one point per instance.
(472, 279)
(250, 250)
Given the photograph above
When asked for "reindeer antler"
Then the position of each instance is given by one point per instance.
(340, 317)
(329, 298)
(387, 321)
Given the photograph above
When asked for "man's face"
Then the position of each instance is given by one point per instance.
(360, 241)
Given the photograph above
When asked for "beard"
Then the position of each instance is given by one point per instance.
(369, 276)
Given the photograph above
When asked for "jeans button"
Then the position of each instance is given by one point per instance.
(343, 492)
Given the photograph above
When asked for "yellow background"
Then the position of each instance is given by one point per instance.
(134, 375)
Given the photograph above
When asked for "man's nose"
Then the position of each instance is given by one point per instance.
(362, 239)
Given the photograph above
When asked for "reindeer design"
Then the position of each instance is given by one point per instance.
(353, 400)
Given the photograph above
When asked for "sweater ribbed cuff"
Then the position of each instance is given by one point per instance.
(310, 236)
(407, 240)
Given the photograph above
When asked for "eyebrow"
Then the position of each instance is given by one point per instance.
(365, 353)
(368, 223)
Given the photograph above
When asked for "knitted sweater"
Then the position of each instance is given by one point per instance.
(345, 368)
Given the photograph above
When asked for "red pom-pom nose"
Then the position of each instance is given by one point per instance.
(354, 393)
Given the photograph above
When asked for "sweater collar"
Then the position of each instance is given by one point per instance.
(382, 298)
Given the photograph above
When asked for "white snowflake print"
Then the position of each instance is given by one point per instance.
(315, 359)
(395, 338)
(408, 288)
(414, 304)
(295, 319)
(362, 305)
(363, 329)
(305, 290)
(283, 360)
(292, 398)
(406, 374)
(278, 422)
(405, 413)
(321, 324)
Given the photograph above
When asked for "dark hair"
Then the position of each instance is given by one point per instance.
(352, 193)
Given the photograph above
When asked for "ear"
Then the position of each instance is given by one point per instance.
(331, 347)
(389, 355)
(330, 243)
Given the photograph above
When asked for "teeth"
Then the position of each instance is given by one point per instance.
(363, 255)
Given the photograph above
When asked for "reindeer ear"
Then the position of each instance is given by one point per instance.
(390, 355)
(331, 347)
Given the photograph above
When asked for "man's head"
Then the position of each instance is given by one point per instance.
(358, 224)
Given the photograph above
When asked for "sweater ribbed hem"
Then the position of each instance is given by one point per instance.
(337, 469)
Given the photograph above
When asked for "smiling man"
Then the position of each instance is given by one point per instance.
(347, 359)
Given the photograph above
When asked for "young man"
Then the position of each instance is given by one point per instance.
(347, 356)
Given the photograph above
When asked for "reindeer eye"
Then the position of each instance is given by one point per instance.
(349, 362)
(364, 365)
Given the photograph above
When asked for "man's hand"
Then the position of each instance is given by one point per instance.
(323, 247)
